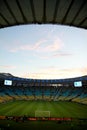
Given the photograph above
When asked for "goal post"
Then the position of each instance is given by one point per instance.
(42, 114)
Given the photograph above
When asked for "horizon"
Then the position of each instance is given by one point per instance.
(43, 51)
(9, 74)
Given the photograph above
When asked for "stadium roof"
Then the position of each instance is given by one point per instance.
(7, 76)
(66, 12)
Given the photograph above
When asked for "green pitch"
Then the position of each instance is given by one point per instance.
(57, 109)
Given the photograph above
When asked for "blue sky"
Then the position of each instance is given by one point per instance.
(43, 51)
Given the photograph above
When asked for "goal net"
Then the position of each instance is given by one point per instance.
(42, 113)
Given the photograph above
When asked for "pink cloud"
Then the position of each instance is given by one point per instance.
(8, 66)
(14, 50)
(61, 54)
(50, 56)
(35, 46)
(54, 45)
(27, 47)
(44, 45)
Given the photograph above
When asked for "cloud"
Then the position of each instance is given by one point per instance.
(84, 70)
(13, 50)
(35, 46)
(26, 47)
(43, 45)
(61, 54)
(52, 72)
(53, 55)
(7, 66)
(55, 45)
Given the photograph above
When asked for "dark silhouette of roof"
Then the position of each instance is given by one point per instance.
(64, 12)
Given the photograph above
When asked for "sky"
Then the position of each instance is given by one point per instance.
(43, 51)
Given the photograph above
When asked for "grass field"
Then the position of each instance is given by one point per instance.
(57, 109)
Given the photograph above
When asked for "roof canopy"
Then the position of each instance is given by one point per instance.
(66, 12)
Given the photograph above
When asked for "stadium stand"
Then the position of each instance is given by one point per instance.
(56, 90)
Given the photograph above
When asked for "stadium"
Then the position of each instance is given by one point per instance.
(45, 100)
(29, 103)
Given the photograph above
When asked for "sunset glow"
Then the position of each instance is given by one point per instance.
(43, 51)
